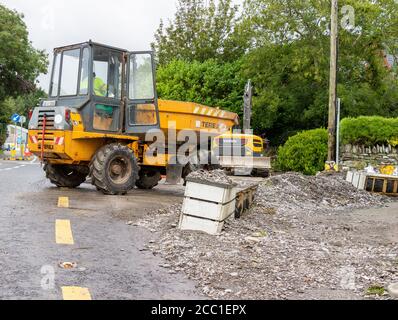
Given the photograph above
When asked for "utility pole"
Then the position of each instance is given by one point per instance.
(333, 82)
(247, 109)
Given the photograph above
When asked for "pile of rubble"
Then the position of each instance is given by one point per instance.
(298, 241)
(215, 176)
(295, 192)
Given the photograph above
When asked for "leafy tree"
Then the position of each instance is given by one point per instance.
(289, 62)
(20, 64)
(21, 104)
(209, 83)
(201, 30)
(7, 108)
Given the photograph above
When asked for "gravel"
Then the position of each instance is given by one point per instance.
(215, 176)
(300, 240)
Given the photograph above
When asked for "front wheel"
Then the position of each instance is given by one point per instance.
(67, 176)
(114, 169)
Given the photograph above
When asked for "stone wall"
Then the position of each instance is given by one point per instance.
(357, 156)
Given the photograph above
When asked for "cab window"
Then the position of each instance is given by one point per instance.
(105, 117)
(70, 72)
(55, 76)
(141, 84)
(142, 114)
(107, 73)
(84, 71)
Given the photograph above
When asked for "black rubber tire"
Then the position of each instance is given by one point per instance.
(101, 172)
(261, 173)
(66, 176)
(148, 178)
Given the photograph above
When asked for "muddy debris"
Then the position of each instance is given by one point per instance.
(298, 241)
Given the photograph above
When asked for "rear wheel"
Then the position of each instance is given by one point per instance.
(114, 169)
(67, 176)
(148, 178)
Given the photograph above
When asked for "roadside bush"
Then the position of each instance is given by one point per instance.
(3, 134)
(369, 131)
(306, 152)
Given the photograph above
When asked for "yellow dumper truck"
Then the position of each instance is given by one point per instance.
(101, 116)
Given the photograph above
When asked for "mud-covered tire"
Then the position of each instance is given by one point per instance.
(114, 169)
(148, 178)
(66, 176)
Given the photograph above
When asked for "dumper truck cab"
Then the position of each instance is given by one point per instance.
(242, 154)
(105, 89)
(101, 106)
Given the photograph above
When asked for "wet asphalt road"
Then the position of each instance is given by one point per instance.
(108, 252)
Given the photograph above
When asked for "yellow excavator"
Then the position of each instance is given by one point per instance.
(240, 152)
(102, 120)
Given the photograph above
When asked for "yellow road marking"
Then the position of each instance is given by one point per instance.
(75, 293)
(63, 232)
(63, 202)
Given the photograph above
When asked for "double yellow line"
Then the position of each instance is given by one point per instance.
(64, 236)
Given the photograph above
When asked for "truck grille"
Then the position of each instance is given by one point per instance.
(48, 138)
(50, 114)
(228, 148)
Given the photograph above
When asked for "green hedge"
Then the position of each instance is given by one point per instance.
(306, 152)
(369, 131)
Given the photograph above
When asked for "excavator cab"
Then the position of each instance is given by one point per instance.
(113, 89)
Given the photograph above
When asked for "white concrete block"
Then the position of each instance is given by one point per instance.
(209, 210)
(362, 181)
(355, 179)
(200, 224)
(210, 192)
(350, 176)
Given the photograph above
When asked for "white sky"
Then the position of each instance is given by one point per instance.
(128, 24)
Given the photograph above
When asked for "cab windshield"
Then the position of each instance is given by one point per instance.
(72, 76)
(65, 76)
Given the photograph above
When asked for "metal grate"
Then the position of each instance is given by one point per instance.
(50, 114)
(231, 148)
